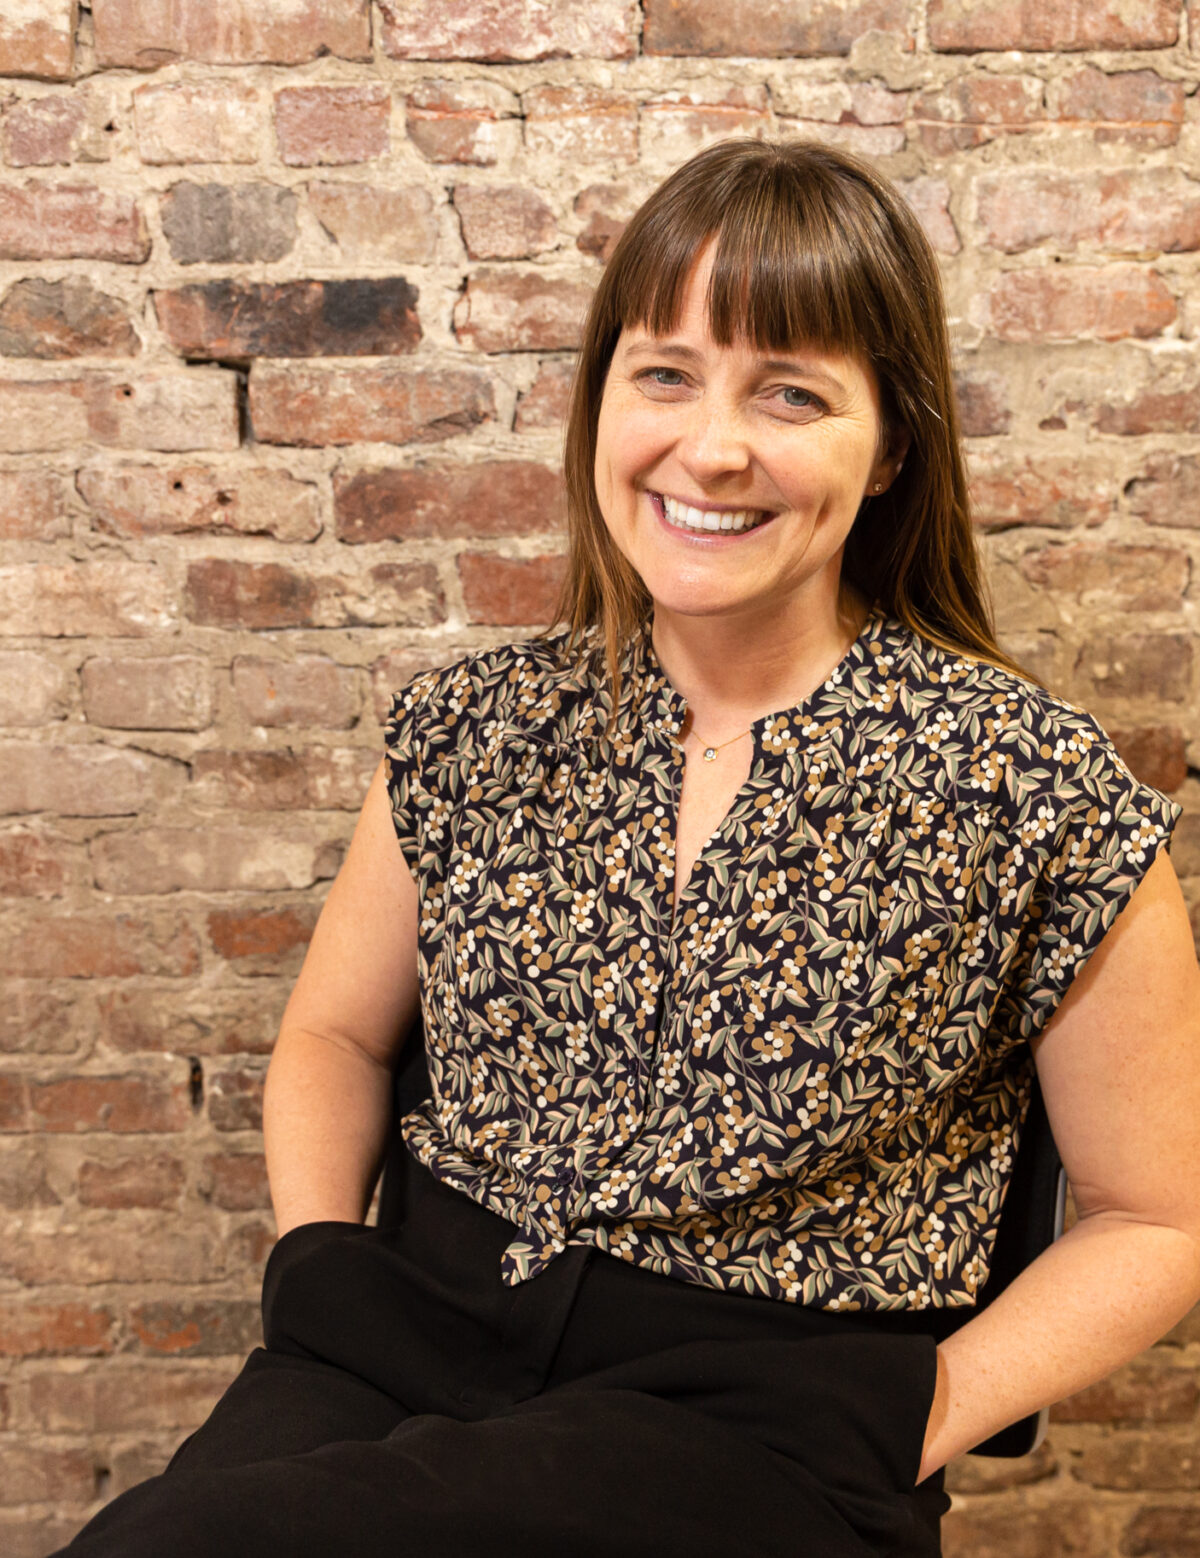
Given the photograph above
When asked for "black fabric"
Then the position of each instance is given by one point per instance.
(406, 1401)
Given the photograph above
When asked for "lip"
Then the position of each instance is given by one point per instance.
(719, 538)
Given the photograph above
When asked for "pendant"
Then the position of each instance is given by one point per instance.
(710, 754)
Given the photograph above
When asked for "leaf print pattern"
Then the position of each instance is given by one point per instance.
(810, 1085)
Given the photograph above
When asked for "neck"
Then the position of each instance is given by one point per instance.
(734, 670)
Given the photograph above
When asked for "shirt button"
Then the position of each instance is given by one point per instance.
(563, 1178)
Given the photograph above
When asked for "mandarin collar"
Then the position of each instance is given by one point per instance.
(650, 701)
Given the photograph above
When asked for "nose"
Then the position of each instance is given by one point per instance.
(712, 441)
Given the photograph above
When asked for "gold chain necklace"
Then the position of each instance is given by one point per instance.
(710, 753)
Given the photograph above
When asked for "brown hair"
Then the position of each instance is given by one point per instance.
(812, 247)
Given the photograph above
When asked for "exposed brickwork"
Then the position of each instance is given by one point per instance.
(288, 312)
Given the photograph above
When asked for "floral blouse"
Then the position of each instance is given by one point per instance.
(811, 1084)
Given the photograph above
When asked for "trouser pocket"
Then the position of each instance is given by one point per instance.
(298, 1286)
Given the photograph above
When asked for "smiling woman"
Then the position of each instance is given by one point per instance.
(740, 910)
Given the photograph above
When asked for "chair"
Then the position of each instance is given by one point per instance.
(1031, 1220)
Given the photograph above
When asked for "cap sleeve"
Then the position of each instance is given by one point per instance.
(1103, 828)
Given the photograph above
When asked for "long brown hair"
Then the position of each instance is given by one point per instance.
(812, 247)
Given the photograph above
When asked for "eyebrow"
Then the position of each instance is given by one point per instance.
(770, 364)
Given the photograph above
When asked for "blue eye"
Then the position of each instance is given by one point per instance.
(672, 379)
(802, 404)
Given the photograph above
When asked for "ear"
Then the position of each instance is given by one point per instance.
(888, 465)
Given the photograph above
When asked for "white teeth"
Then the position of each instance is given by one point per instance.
(690, 518)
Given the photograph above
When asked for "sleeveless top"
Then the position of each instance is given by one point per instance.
(809, 1086)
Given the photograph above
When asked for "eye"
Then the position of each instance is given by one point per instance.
(797, 399)
(661, 378)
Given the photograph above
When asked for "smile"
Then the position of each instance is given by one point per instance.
(685, 517)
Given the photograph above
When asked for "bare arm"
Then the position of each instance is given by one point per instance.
(1119, 1066)
(328, 1094)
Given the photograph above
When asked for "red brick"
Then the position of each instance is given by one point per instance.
(988, 1474)
(32, 864)
(38, 1474)
(307, 690)
(194, 1022)
(546, 401)
(1151, 1389)
(605, 210)
(120, 1104)
(168, 410)
(112, 1399)
(213, 859)
(372, 222)
(99, 946)
(509, 592)
(1157, 754)
(399, 665)
(983, 401)
(14, 1103)
(66, 127)
(1126, 210)
(224, 223)
(976, 109)
(930, 200)
(1110, 577)
(1137, 107)
(199, 121)
(197, 1327)
(37, 1021)
(490, 498)
(156, 1182)
(236, 1181)
(315, 404)
(27, 1535)
(839, 102)
(33, 689)
(463, 121)
(128, 694)
(70, 222)
(262, 941)
(1002, 1528)
(1067, 303)
(148, 500)
(1151, 667)
(968, 26)
(1163, 1531)
(35, 1329)
(521, 311)
(776, 29)
(84, 780)
(371, 317)
(55, 319)
(1170, 405)
(333, 124)
(39, 40)
(223, 593)
(1008, 491)
(23, 1184)
(504, 221)
(102, 599)
(579, 125)
(235, 1100)
(146, 34)
(675, 125)
(496, 30)
(33, 506)
(313, 779)
(1168, 491)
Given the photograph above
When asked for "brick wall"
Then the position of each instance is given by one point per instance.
(288, 295)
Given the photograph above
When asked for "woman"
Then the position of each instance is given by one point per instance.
(739, 911)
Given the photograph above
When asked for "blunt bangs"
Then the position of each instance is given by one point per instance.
(789, 270)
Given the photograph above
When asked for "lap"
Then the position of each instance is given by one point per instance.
(400, 1409)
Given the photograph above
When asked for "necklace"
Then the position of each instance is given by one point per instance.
(710, 753)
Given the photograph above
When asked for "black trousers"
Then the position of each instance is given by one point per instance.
(406, 1403)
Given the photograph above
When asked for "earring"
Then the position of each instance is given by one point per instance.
(878, 486)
